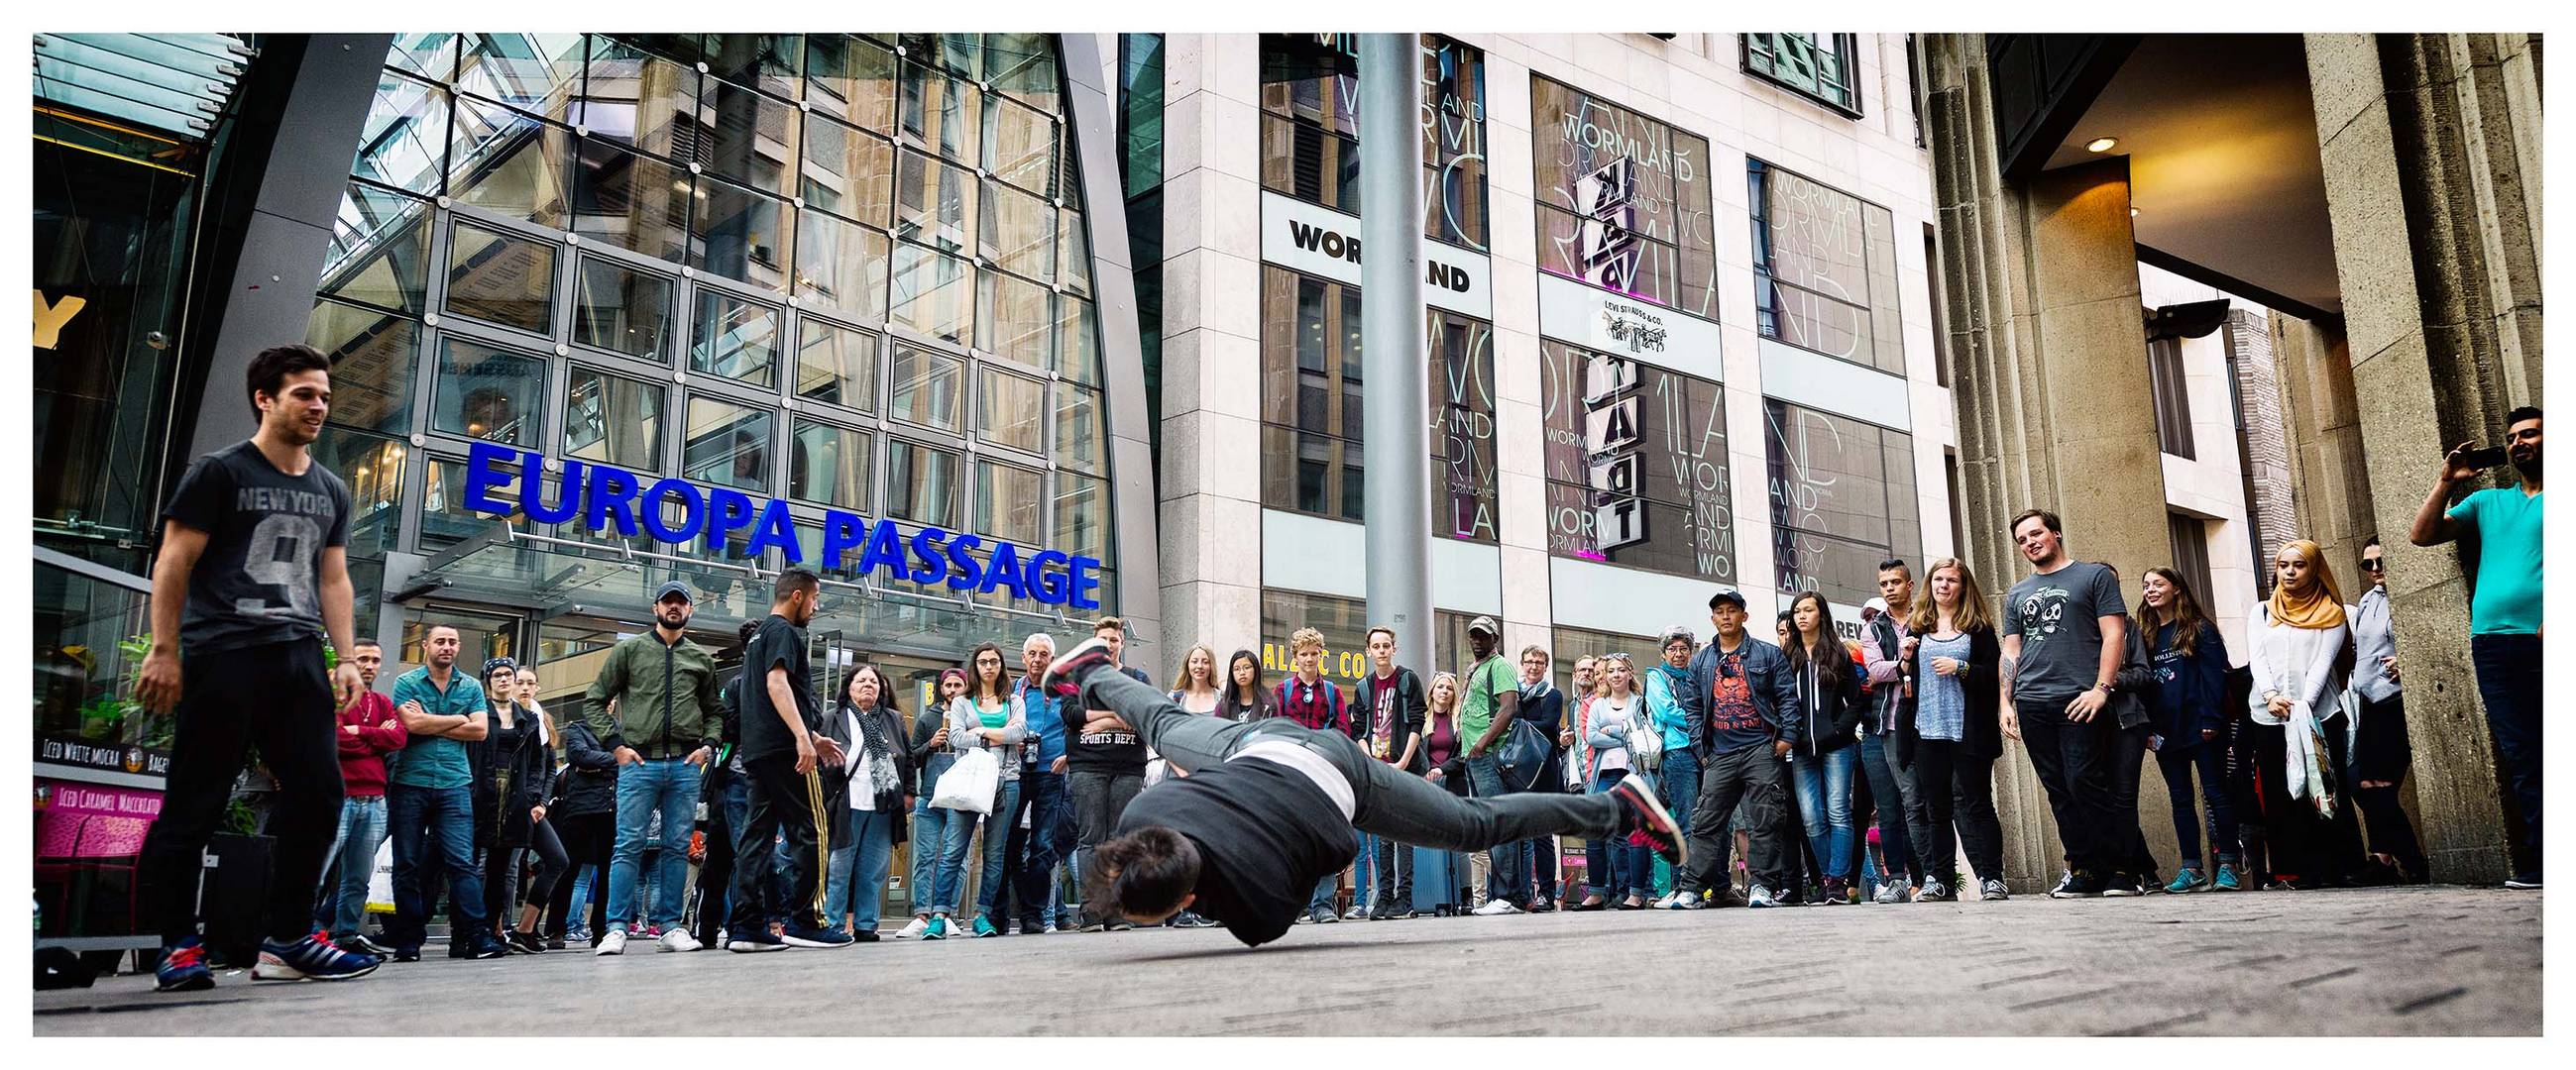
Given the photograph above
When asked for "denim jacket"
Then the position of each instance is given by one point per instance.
(1775, 694)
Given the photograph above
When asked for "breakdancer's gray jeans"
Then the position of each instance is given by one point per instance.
(1388, 801)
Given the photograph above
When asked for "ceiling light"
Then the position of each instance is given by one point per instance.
(2101, 144)
(2133, 212)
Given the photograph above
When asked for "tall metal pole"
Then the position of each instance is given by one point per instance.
(1397, 428)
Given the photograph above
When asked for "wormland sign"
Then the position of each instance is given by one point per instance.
(675, 512)
(1326, 244)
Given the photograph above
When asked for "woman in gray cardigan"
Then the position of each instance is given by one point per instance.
(987, 717)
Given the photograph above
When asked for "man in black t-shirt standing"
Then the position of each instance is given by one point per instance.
(253, 573)
(1106, 763)
(780, 754)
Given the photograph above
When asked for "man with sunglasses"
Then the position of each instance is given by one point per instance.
(2382, 753)
(1740, 711)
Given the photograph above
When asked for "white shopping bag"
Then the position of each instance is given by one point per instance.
(970, 784)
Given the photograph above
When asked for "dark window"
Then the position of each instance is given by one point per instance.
(2191, 554)
(1824, 67)
(2173, 397)
(1310, 146)
(1940, 312)
(1824, 269)
(1842, 500)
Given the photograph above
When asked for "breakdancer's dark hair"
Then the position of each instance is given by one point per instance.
(1144, 873)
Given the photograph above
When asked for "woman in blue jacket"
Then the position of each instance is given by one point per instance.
(1822, 758)
(2186, 713)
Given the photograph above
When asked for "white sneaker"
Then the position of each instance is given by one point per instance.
(1356, 913)
(1760, 897)
(1891, 892)
(1497, 908)
(914, 930)
(612, 944)
(680, 939)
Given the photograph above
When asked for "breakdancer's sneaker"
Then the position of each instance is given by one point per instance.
(1655, 826)
(1066, 674)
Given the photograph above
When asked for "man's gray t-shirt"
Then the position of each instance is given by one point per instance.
(259, 580)
(2058, 616)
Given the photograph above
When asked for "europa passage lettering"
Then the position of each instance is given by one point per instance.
(603, 497)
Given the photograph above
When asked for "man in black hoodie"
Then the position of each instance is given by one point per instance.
(1388, 721)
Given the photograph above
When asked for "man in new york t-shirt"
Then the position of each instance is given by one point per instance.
(2063, 637)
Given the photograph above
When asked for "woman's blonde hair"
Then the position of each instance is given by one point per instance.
(1925, 616)
(1431, 694)
(1217, 678)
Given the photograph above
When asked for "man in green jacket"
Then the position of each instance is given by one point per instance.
(655, 706)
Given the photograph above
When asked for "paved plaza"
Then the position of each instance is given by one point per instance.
(2439, 961)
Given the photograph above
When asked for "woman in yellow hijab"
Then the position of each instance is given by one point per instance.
(2301, 663)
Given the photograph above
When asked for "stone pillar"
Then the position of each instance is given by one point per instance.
(2431, 153)
(2054, 397)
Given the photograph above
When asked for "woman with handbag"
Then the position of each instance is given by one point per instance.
(988, 718)
(2301, 661)
(933, 757)
(1951, 731)
(880, 790)
(1610, 721)
(1823, 761)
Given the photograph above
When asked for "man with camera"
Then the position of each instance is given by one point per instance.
(2504, 604)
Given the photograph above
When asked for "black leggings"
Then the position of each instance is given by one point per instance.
(588, 840)
(1958, 793)
(499, 869)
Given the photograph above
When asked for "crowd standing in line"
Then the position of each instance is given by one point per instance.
(1842, 771)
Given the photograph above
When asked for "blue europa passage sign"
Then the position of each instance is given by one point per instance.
(600, 497)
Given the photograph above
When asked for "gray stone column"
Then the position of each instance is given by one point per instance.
(2431, 153)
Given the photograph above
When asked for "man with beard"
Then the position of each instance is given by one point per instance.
(2504, 612)
(665, 724)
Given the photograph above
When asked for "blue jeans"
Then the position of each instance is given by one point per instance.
(1043, 847)
(2211, 762)
(997, 837)
(1507, 874)
(855, 885)
(1679, 784)
(669, 785)
(1617, 868)
(1364, 875)
(344, 880)
(1824, 787)
(1888, 789)
(2509, 684)
(425, 820)
(934, 883)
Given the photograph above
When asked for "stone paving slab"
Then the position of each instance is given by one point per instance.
(2438, 961)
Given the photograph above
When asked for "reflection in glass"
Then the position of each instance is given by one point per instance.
(831, 465)
(1023, 65)
(850, 79)
(848, 172)
(836, 364)
(429, 55)
(1079, 431)
(940, 112)
(638, 100)
(1077, 340)
(621, 310)
(489, 393)
(1010, 410)
(1019, 145)
(613, 419)
(1016, 319)
(934, 295)
(727, 444)
(735, 338)
(740, 235)
(748, 137)
(404, 141)
(1081, 510)
(934, 203)
(373, 355)
(1008, 502)
(1074, 243)
(770, 61)
(925, 387)
(372, 467)
(921, 483)
(533, 72)
(631, 201)
(504, 279)
(1019, 232)
(842, 263)
(511, 164)
(379, 250)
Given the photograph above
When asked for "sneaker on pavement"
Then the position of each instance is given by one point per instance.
(1761, 896)
(864, 936)
(1072, 664)
(525, 943)
(752, 943)
(1499, 907)
(2226, 880)
(2122, 885)
(489, 947)
(1542, 905)
(612, 944)
(1890, 892)
(1325, 916)
(2064, 878)
(359, 942)
(984, 927)
(1655, 826)
(1934, 891)
(1687, 901)
(938, 929)
(680, 939)
(2081, 886)
(914, 930)
(183, 968)
(1357, 913)
(310, 958)
(2185, 881)
(406, 954)
(1307, 918)
(2524, 882)
(1097, 926)
(1835, 892)
(1120, 925)
(1994, 889)
(800, 936)
(1399, 914)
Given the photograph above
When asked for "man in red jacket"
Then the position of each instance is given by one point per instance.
(369, 730)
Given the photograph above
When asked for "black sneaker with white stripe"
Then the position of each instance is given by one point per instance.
(1655, 825)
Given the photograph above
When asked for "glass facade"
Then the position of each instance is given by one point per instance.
(1823, 67)
(1842, 500)
(1824, 269)
(1636, 464)
(850, 266)
(1623, 200)
(1310, 139)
